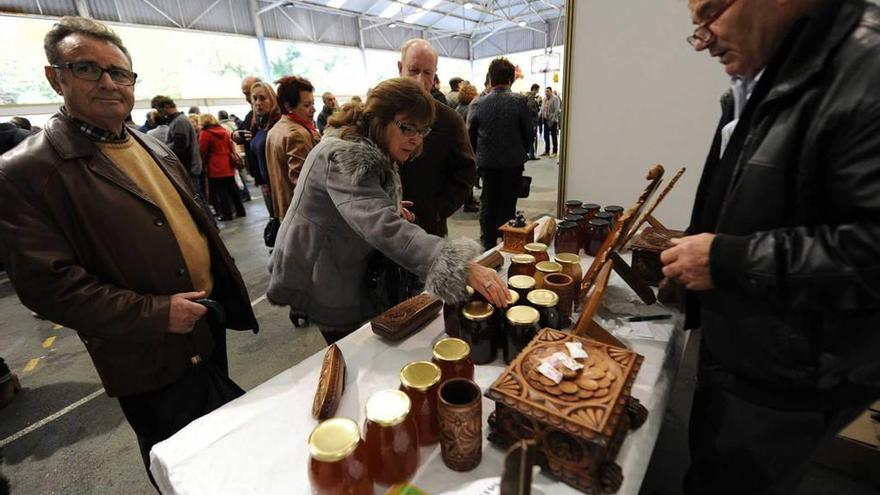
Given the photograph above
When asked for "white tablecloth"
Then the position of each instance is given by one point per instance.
(257, 444)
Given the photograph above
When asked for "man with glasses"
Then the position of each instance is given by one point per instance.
(100, 231)
(500, 130)
(782, 256)
(440, 180)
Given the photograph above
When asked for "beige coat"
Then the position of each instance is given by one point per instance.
(287, 146)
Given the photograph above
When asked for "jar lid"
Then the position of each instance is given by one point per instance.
(388, 407)
(614, 208)
(477, 310)
(521, 282)
(573, 218)
(420, 375)
(605, 215)
(548, 267)
(451, 349)
(590, 206)
(567, 258)
(523, 315)
(543, 297)
(513, 298)
(579, 211)
(573, 202)
(566, 225)
(536, 247)
(334, 439)
(598, 222)
(526, 259)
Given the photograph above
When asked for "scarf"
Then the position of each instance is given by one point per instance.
(307, 123)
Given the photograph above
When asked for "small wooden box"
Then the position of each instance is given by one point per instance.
(578, 433)
(646, 251)
(516, 238)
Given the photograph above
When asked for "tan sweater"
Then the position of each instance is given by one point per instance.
(141, 168)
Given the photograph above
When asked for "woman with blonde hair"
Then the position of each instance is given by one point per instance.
(347, 207)
(266, 114)
(218, 162)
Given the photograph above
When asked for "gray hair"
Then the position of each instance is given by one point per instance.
(78, 25)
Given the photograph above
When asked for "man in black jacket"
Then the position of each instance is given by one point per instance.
(500, 129)
(783, 260)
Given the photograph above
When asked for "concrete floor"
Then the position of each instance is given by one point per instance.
(89, 449)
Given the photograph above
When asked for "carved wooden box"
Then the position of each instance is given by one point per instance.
(578, 424)
(516, 238)
(646, 251)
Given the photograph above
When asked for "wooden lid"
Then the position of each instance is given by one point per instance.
(334, 439)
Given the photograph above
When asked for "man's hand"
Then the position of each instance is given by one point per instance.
(184, 312)
(687, 261)
(405, 213)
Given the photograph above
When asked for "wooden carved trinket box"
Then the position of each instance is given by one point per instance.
(646, 251)
(406, 318)
(516, 238)
(578, 424)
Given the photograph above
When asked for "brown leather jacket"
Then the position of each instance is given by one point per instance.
(85, 248)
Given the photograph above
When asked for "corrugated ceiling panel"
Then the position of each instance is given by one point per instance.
(43, 7)
(104, 10)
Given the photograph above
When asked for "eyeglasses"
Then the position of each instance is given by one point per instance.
(90, 71)
(703, 34)
(410, 130)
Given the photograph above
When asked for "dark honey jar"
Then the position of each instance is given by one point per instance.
(617, 211)
(521, 285)
(479, 330)
(453, 357)
(599, 230)
(607, 216)
(419, 381)
(538, 250)
(521, 264)
(568, 238)
(545, 301)
(590, 210)
(391, 438)
(452, 314)
(522, 326)
(338, 459)
(571, 204)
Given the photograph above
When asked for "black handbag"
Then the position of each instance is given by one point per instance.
(387, 283)
(215, 385)
(271, 231)
(525, 186)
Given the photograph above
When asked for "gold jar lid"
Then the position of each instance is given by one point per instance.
(477, 310)
(334, 439)
(548, 267)
(536, 247)
(451, 349)
(523, 315)
(513, 298)
(524, 259)
(543, 297)
(567, 258)
(420, 375)
(521, 282)
(388, 407)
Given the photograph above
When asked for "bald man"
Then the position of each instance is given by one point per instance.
(439, 181)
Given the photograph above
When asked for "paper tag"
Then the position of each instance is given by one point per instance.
(567, 361)
(550, 372)
(576, 350)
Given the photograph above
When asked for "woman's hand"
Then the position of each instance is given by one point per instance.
(487, 282)
(405, 213)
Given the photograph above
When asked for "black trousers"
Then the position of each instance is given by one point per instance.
(225, 195)
(551, 132)
(740, 447)
(4, 370)
(157, 415)
(497, 202)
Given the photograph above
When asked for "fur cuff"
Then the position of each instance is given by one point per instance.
(447, 277)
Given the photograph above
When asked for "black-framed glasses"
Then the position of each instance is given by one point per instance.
(703, 34)
(90, 71)
(410, 130)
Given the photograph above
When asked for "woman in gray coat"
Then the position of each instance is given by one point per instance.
(347, 205)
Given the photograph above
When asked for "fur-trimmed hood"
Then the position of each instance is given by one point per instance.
(362, 157)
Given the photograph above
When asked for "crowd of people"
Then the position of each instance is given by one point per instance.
(779, 262)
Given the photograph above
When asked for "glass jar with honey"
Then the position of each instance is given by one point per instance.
(479, 329)
(453, 357)
(419, 381)
(521, 264)
(338, 459)
(391, 438)
(545, 301)
(522, 326)
(538, 250)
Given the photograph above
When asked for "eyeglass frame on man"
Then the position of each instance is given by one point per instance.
(69, 66)
(704, 27)
(410, 130)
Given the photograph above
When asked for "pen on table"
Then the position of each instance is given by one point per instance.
(649, 318)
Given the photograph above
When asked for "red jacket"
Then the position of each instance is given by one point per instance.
(215, 145)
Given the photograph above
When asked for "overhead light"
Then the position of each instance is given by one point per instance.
(521, 24)
(420, 12)
(392, 25)
(393, 9)
(335, 4)
(468, 5)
